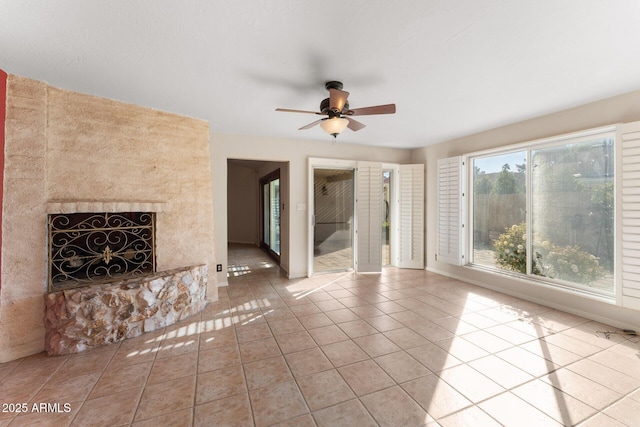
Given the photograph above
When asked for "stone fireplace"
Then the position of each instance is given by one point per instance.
(66, 152)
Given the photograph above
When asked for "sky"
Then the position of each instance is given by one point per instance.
(494, 163)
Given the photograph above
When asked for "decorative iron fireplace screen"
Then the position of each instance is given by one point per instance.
(86, 248)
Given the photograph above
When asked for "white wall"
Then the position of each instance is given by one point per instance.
(620, 109)
(296, 153)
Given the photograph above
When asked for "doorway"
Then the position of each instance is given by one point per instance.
(333, 219)
(270, 214)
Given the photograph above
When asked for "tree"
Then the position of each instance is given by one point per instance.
(506, 182)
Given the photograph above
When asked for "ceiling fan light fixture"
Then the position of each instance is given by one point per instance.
(334, 126)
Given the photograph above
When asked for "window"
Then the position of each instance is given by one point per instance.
(547, 211)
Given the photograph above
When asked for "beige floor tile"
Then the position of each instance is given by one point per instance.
(180, 418)
(392, 407)
(365, 377)
(305, 309)
(219, 384)
(347, 414)
(471, 416)
(218, 338)
(487, 341)
(229, 411)
(437, 397)
(405, 338)
(173, 367)
(605, 376)
(166, 397)
(509, 334)
(111, 410)
(501, 372)
(401, 366)
(582, 388)
(253, 332)
(462, 349)
(551, 352)
(305, 420)
(562, 407)
(329, 305)
(86, 363)
(366, 311)
(557, 320)
(328, 335)
(357, 328)
(218, 358)
(309, 361)
(59, 415)
(180, 345)
(470, 383)
(376, 345)
(116, 381)
(324, 389)
(266, 372)
(574, 345)
(384, 323)
(535, 365)
(277, 403)
(389, 307)
(259, 349)
(510, 410)
(285, 326)
(455, 325)
(343, 353)
(317, 320)
(296, 341)
(342, 315)
(434, 357)
(64, 388)
(602, 420)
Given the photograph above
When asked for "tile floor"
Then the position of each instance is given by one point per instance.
(406, 348)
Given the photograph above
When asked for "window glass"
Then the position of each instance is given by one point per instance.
(572, 213)
(569, 235)
(499, 207)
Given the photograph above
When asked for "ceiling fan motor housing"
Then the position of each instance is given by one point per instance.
(324, 108)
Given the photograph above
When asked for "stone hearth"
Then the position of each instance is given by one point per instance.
(78, 319)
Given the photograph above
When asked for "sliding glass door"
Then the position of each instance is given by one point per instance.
(333, 196)
(270, 226)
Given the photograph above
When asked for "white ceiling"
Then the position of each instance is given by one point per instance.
(453, 67)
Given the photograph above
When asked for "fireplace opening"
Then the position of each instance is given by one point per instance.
(88, 248)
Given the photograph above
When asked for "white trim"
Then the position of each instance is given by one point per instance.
(519, 146)
(561, 140)
(319, 163)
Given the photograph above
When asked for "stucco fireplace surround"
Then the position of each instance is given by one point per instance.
(68, 152)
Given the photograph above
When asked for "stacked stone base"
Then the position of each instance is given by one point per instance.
(79, 319)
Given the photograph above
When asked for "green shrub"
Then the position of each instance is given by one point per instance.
(561, 262)
(510, 248)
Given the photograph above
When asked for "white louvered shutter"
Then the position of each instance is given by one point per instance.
(369, 217)
(450, 211)
(411, 216)
(630, 178)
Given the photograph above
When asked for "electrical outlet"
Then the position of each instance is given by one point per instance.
(218, 267)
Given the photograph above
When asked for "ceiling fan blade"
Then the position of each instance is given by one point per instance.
(354, 125)
(288, 110)
(337, 99)
(368, 111)
(310, 125)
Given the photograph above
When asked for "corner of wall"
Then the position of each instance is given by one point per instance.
(3, 115)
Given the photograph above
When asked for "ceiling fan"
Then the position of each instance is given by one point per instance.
(338, 113)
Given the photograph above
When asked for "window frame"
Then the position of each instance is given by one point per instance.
(528, 147)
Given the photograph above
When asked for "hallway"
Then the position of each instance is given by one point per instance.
(404, 348)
